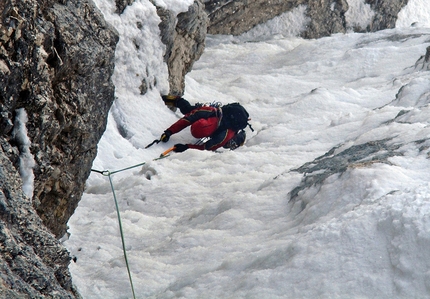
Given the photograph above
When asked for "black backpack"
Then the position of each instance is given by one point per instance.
(234, 117)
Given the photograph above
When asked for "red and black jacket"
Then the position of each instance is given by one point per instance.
(218, 139)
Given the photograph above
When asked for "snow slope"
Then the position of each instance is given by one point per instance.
(224, 224)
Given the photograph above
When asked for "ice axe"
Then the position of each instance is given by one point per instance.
(164, 138)
(165, 153)
(153, 142)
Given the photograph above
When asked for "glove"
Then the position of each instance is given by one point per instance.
(179, 148)
(166, 136)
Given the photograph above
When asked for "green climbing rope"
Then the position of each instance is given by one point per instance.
(109, 174)
(122, 236)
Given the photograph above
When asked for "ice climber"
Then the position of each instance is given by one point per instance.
(223, 125)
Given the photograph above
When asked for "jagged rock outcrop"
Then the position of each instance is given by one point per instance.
(386, 12)
(56, 65)
(332, 163)
(184, 36)
(424, 62)
(238, 16)
(326, 16)
(33, 264)
(121, 5)
(336, 161)
(56, 60)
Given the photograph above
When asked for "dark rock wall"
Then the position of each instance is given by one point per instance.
(326, 16)
(184, 36)
(56, 60)
(321, 168)
(238, 16)
(424, 62)
(386, 13)
(33, 264)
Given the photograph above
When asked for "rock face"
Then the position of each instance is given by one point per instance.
(238, 16)
(424, 62)
(326, 16)
(184, 36)
(122, 4)
(56, 60)
(33, 264)
(184, 40)
(57, 66)
(385, 13)
(317, 171)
